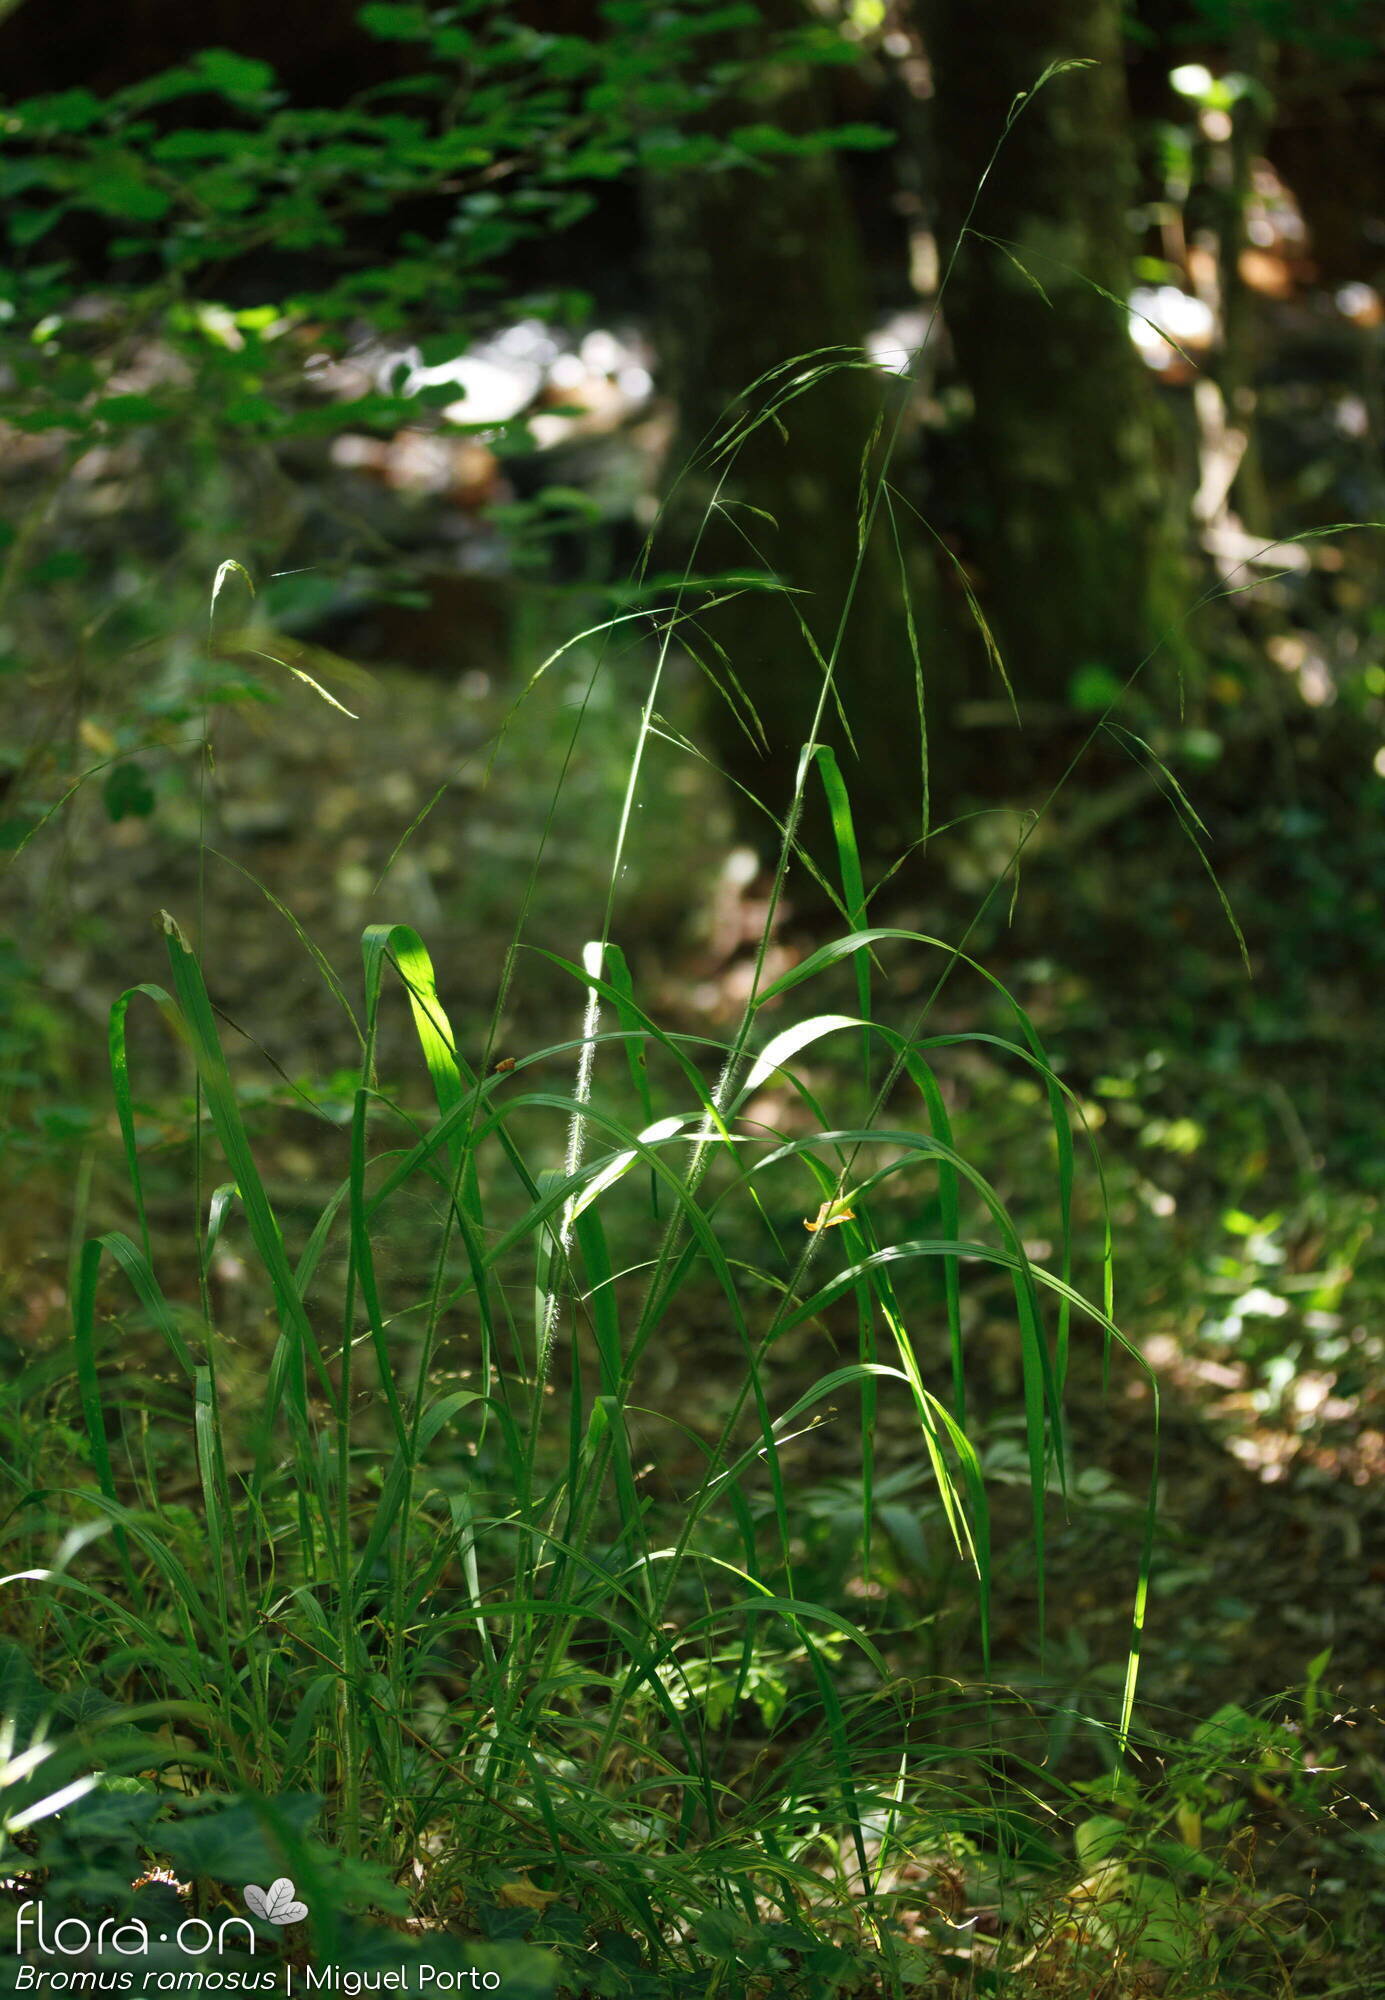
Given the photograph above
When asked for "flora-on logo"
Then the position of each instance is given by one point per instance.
(72, 1937)
(276, 1904)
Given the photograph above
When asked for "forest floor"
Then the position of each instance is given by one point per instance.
(1240, 1122)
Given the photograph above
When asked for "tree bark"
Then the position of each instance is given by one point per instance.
(1074, 552)
(751, 269)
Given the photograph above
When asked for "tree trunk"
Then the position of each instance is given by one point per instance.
(752, 269)
(1074, 554)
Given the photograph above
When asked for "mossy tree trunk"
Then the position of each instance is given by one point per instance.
(750, 270)
(1073, 550)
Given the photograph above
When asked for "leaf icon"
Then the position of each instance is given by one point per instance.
(275, 1904)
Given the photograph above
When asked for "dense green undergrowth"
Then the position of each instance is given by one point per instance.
(408, 1579)
(558, 1523)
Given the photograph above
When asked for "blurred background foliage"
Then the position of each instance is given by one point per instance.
(431, 317)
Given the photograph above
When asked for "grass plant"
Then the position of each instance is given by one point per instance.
(460, 1619)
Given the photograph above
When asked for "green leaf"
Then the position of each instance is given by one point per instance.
(60, 566)
(111, 1816)
(129, 409)
(1093, 689)
(194, 144)
(391, 21)
(1231, 1727)
(65, 111)
(26, 225)
(525, 1971)
(769, 139)
(16, 175)
(250, 411)
(856, 138)
(125, 194)
(128, 793)
(234, 76)
(228, 1843)
(1098, 1839)
(1167, 1928)
(22, 1699)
